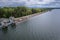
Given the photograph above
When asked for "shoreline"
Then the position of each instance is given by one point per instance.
(24, 18)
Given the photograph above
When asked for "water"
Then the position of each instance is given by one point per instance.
(42, 27)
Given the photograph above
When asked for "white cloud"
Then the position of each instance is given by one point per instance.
(11, 0)
(28, 2)
(25, 0)
(31, 2)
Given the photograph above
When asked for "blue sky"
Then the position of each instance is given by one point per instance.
(31, 3)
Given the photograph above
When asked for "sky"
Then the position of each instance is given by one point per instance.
(31, 3)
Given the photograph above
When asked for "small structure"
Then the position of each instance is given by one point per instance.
(6, 22)
(12, 21)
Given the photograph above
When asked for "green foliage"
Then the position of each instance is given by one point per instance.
(19, 11)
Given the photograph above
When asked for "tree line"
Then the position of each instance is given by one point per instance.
(6, 12)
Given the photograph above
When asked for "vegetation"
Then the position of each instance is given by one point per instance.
(6, 12)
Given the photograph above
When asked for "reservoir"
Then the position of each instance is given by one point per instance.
(45, 26)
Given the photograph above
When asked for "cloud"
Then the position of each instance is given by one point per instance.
(50, 5)
(32, 2)
(11, 0)
(29, 2)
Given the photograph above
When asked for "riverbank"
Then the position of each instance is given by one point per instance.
(24, 18)
(21, 19)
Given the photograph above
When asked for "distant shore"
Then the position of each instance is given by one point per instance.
(24, 18)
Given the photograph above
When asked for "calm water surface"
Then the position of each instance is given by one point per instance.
(42, 27)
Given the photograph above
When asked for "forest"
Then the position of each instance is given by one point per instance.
(6, 12)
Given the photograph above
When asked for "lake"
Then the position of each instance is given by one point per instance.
(45, 26)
